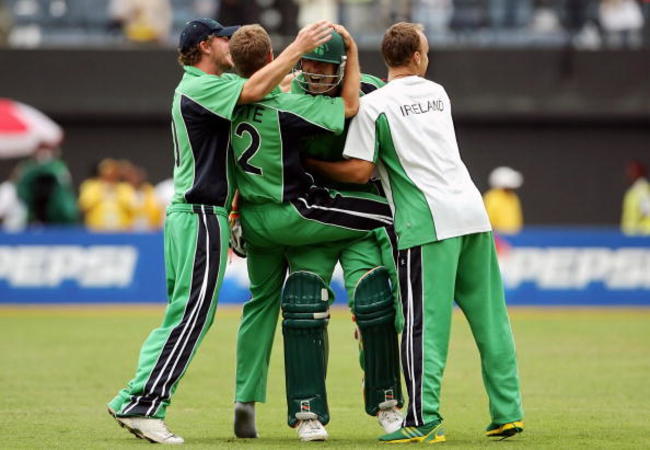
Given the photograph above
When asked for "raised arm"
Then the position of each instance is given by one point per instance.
(285, 85)
(264, 80)
(352, 80)
(360, 150)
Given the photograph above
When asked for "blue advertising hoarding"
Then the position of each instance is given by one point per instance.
(76, 266)
(545, 266)
(575, 267)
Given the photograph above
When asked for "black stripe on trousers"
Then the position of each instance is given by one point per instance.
(180, 344)
(410, 277)
(340, 211)
(360, 204)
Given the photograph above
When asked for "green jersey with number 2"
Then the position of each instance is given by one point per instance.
(266, 139)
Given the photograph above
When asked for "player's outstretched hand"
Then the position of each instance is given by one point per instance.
(313, 35)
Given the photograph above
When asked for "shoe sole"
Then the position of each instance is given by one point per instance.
(435, 439)
(322, 437)
(421, 439)
(430, 438)
(134, 431)
(506, 431)
(317, 439)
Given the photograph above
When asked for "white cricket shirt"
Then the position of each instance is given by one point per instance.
(406, 129)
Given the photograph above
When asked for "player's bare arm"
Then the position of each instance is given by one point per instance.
(352, 80)
(285, 85)
(348, 171)
(271, 75)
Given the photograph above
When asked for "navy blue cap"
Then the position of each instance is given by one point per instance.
(199, 30)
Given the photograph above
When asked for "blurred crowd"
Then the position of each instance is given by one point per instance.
(117, 197)
(502, 202)
(582, 23)
(635, 219)
(506, 216)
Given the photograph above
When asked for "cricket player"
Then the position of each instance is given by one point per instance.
(283, 210)
(196, 229)
(446, 248)
(322, 74)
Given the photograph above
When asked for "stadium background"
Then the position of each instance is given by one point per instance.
(566, 109)
(568, 120)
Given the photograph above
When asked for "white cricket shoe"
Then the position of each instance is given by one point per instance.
(390, 419)
(311, 430)
(153, 430)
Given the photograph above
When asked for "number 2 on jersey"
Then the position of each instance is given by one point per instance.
(252, 148)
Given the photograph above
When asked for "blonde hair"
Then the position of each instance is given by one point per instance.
(192, 55)
(250, 47)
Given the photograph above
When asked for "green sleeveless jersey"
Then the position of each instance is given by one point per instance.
(201, 112)
(266, 139)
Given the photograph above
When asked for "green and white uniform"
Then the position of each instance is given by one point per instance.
(357, 257)
(282, 210)
(266, 142)
(446, 250)
(196, 238)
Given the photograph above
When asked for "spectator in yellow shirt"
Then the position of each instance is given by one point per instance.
(502, 202)
(108, 204)
(148, 212)
(143, 21)
(635, 219)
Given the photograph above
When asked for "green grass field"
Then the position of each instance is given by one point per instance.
(585, 376)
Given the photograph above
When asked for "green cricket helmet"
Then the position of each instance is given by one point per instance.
(332, 52)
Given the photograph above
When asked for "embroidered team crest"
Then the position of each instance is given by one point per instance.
(322, 50)
(305, 406)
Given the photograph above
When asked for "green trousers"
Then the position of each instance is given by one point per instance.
(318, 217)
(283, 237)
(196, 254)
(432, 276)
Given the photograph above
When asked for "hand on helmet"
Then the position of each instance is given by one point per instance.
(345, 34)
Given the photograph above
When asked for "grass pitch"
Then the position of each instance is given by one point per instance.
(584, 373)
